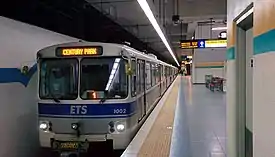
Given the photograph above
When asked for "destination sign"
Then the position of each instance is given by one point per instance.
(79, 51)
(189, 44)
(203, 43)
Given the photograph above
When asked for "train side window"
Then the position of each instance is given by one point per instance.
(157, 73)
(153, 78)
(134, 78)
(148, 75)
(163, 72)
(170, 73)
(142, 76)
(138, 77)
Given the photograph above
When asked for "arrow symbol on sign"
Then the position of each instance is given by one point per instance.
(202, 44)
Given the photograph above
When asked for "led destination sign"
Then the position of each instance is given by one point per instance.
(189, 44)
(79, 51)
(203, 43)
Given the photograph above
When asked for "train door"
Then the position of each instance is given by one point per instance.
(141, 88)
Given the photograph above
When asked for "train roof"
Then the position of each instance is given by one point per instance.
(112, 47)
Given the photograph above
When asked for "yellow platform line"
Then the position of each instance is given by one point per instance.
(158, 141)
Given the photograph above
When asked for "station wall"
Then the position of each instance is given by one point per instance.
(19, 43)
(207, 68)
(208, 61)
(263, 76)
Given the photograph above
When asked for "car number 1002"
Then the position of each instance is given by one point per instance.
(119, 111)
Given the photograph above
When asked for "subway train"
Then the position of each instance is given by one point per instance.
(91, 93)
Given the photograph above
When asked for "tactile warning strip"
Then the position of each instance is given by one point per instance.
(157, 143)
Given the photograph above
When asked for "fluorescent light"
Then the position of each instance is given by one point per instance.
(219, 28)
(115, 65)
(113, 71)
(148, 12)
(111, 76)
(117, 60)
(108, 86)
(250, 11)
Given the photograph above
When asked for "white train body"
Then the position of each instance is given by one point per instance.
(96, 92)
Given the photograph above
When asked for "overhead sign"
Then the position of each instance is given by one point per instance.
(203, 43)
(215, 43)
(189, 44)
(79, 51)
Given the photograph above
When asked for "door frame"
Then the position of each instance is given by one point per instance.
(243, 22)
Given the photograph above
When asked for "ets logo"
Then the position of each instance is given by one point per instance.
(78, 109)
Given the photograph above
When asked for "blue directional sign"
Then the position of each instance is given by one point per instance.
(203, 43)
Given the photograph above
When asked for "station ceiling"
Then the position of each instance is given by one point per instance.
(119, 20)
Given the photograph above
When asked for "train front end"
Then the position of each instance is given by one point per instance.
(83, 98)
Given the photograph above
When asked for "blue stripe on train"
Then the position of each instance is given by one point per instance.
(87, 110)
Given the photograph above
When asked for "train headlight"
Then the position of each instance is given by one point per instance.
(120, 127)
(75, 126)
(43, 126)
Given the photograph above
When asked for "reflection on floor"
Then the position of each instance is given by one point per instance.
(207, 120)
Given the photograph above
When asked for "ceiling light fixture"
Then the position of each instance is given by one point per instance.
(148, 12)
(219, 28)
(223, 35)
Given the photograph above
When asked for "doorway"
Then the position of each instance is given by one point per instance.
(244, 84)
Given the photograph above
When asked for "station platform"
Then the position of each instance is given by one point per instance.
(189, 121)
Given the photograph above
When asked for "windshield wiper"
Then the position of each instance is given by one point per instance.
(102, 100)
(54, 97)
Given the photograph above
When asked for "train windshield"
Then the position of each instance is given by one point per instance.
(58, 79)
(103, 78)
